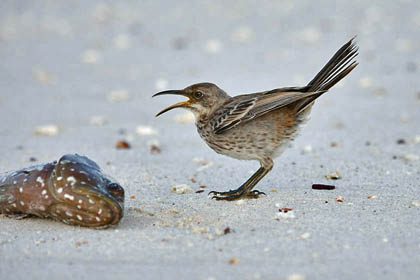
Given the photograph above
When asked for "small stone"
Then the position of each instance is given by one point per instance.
(98, 120)
(146, 130)
(401, 142)
(340, 199)
(411, 67)
(123, 145)
(403, 45)
(181, 189)
(47, 130)
(118, 95)
(335, 144)
(333, 176)
(187, 117)
(180, 43)
(307, 149)
(322, 187)
(240, 202)
(213, 46)
(416, 203)
(371, 196)
(154, 147)
(305, 235)
(133, 197)
(410, 157)
(366, 82)
(310, 35)
(91, 56)
(44, 77)
(161, 84)
(296, 277)
(234, 261)
(242, 34)
(122, 42)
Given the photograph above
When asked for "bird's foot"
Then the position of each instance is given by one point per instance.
(236, 194)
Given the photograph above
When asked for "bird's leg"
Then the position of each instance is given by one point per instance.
(244, 191)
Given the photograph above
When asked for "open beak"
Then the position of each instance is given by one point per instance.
(184, 104)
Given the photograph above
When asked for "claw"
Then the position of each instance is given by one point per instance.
(229, 196)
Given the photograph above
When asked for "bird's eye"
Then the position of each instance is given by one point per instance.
(198, 94)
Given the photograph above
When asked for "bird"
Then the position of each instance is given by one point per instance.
(258, 126)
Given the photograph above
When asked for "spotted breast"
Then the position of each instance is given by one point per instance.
(72, 190)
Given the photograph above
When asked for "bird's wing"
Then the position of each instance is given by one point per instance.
(244, 108)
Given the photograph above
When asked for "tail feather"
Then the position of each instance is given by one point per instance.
(331, 73)
(339, 66)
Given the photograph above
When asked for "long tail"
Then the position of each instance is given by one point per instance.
(339, 66)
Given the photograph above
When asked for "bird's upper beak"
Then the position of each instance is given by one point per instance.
(184, 104)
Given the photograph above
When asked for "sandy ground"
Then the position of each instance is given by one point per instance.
(90, 68)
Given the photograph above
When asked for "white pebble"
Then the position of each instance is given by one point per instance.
(98, 120)
(310, 35)
(307, 149)
(416, 203)
(146, 130)
(47, 130)
(296, 277)
(181, 189)
(411, 157)
(91, 56)
(161, 84)
(366, 82)
(122, 42)
(187, 117)
(213, 46)
(240, 202)
(305, 235)
(242, 34)
(403, 45)
(118, 95)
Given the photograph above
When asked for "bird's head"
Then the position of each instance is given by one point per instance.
(203, 99)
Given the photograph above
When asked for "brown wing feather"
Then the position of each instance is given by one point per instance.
(244, 108)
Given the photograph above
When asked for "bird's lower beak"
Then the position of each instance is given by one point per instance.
(184, 104)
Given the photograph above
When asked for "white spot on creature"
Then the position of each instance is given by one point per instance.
(80, 201)
(44, 192)
(25, 180)
(14, 182)
(21, 189)
(91, 201)
(79, 206)
(22, 203)
(14, 205)
(40, 180)
(72, 169)
(60, 190)
(100, 211)
(59, 178)
(46, 197)
(42, 208)
(69, 214)
(83, 183)
(69, 196)
(98, 219)
(80, 218)
(72, 180)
